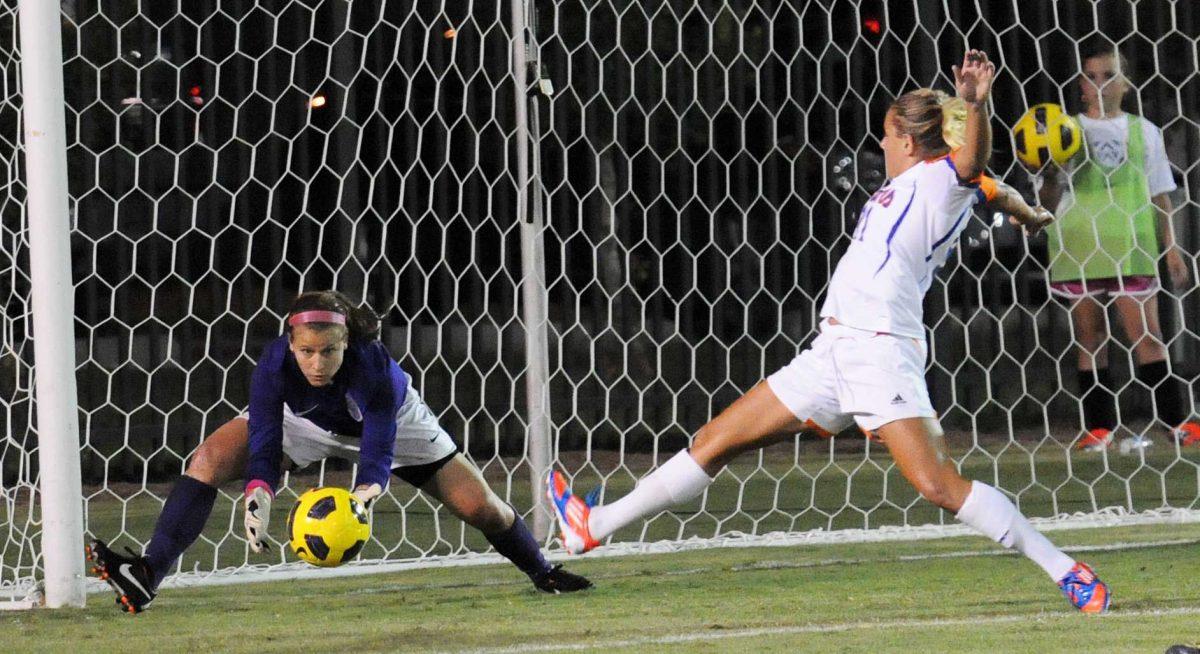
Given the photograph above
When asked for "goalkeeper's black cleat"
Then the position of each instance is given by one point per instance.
(556, 580)
(129, 576)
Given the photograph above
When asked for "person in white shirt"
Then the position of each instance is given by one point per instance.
(1113, 205)
(867, 364)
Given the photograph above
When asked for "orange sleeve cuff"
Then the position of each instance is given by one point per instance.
(988, 187)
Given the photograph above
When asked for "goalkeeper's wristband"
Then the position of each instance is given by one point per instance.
(258, 483)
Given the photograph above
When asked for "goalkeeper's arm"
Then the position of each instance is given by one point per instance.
(265, 449)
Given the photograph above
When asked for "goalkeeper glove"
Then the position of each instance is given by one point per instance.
(366, 493)
(258, 514)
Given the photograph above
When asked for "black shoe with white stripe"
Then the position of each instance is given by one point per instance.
(129, 575)
(556, 580)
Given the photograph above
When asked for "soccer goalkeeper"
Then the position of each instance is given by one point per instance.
(325, 388)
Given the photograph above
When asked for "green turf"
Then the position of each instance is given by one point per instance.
(790, 487)
(826, 598)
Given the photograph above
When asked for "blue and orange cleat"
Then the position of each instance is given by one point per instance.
(572, 512)
(1187, 434)
(1095, 440)
(1084, 589)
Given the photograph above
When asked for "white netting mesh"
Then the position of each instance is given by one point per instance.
(701, 165)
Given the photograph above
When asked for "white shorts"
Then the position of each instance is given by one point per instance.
(851, 376)
(419, 438)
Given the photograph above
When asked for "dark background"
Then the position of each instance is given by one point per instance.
(701, 165)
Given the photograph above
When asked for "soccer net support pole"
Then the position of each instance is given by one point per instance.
(53, 302)
(533, 274)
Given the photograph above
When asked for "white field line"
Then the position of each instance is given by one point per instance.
(710, 635)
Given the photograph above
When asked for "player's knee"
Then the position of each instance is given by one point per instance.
(1149, 345)
(1091, 342)
(211, 465)
(203, 466)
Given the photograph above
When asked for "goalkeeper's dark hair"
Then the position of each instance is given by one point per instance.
(362, 324)
(1102, 46)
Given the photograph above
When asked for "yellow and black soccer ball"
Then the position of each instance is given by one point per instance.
(327, 526)
(1046, 133)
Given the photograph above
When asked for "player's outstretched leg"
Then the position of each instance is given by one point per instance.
(460, 486)
(919, 449)
(136, 578)
(756, 419)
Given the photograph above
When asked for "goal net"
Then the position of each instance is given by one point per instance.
(698, 167)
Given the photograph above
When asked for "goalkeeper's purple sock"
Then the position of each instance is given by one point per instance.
(518, 545)
(180, 523)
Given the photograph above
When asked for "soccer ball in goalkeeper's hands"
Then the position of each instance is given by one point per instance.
(1046, 133)
(327, 526)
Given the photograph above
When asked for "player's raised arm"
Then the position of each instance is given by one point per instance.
(973, 82)
(1006, 199)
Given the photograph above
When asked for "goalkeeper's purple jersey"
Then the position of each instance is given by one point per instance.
(362, 400)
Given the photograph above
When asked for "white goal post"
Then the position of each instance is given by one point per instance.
(52, 304)
(588, 227)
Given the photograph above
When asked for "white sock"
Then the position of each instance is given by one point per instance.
(674, 482)
(990, 512)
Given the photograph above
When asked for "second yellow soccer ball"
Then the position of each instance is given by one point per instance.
(1046, 133)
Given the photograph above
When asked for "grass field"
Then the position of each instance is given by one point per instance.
(781, 491)
(947, 595)
(814, 485)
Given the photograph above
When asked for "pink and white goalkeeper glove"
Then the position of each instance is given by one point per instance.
(366, 493)
(258, 514)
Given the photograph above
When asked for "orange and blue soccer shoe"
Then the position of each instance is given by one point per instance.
(129, 576)
(572, 512)
(1187, 434)
(1095, 440)
(1084, 590)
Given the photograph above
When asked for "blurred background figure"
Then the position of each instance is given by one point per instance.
(1114, 225)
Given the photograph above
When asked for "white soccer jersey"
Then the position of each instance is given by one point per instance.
(905, 233)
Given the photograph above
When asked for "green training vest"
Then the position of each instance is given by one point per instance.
(1109, 231)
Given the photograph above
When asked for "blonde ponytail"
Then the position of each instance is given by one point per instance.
(936, 121)
(954, 121)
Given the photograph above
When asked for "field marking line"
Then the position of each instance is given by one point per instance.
(707, 636)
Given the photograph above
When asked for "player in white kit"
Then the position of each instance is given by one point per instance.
(867, 365)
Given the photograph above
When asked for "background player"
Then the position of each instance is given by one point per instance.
(867, 364)
(1113, 217)
(325, 388)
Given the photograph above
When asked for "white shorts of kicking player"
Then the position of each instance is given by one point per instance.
(851, 376)
(419, 438)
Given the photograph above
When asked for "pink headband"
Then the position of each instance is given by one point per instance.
(305, 317)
